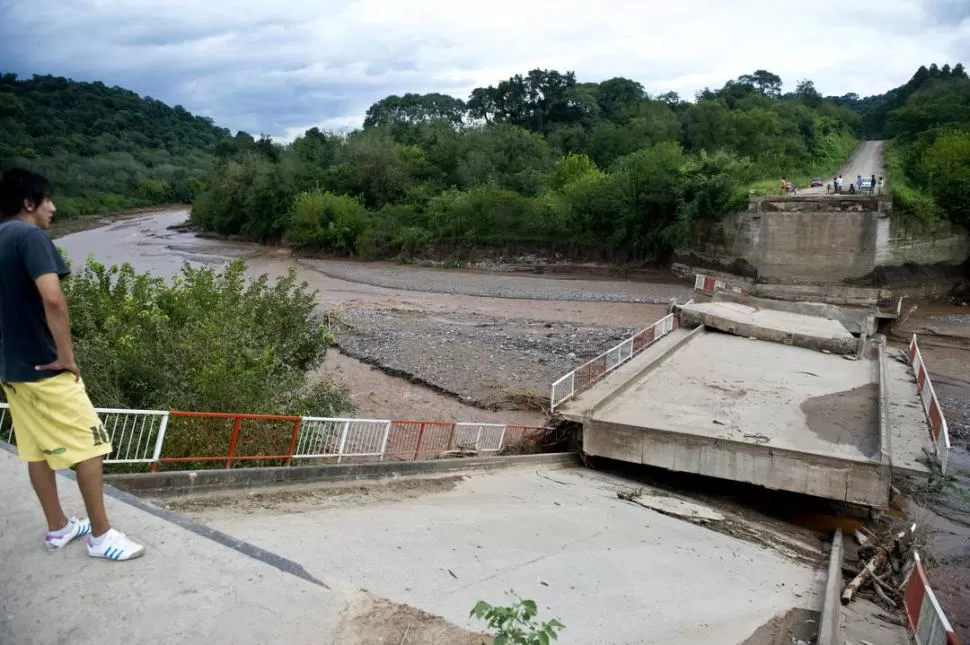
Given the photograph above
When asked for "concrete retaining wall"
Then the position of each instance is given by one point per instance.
(823, 240)
(852, 481)
(898, 243)
(183, 482)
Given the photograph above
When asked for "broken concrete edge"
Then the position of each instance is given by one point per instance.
(857, 481)
(760, 332)
(646, 369)
(245, 548)
(184, 482)
(854, 321)
(830, 625)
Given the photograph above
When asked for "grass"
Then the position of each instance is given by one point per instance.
(834, 151)
(908, 201)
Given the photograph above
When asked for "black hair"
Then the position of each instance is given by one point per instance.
(18, 186)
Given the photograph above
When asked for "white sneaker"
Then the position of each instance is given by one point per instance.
(76, 528)
(114, 545)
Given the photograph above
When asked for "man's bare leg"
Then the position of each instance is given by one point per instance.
(91, 483)
(45, 485)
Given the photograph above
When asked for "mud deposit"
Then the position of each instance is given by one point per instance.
(787, 629)
(487, 361)
(378, 621)
(298, 498)
(849, 417)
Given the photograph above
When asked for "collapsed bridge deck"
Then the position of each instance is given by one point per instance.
(774, 414)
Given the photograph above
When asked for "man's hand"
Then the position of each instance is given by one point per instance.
(62, 366)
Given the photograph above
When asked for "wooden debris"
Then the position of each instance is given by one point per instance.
(873, 565)
(887, 563)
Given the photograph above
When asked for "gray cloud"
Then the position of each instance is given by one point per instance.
(280, 68)
(949, 11)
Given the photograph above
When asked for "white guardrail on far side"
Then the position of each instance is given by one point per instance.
(939, 432)
(584, 376)
(136, 435)
(711, 285)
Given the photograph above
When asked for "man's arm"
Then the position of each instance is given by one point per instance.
(58, 321)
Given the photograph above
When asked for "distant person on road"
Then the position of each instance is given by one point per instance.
(858, 183)
(784, 185)
(882, 183)
(54, 423)
(872, 186)
(840, 183)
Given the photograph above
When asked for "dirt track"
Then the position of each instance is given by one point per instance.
(866, 160)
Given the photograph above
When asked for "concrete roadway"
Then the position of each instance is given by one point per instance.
(614, 572)
(187, 588)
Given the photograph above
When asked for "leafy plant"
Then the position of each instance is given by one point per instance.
(517, 624)
(209, 340)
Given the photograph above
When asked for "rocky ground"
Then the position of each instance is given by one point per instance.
(488, 361)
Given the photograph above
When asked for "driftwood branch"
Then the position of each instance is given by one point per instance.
(875, 563)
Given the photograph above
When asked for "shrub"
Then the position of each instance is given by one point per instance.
(211, 341)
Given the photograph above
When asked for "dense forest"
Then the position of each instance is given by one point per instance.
(927, 121)
(105, 148)
(540, 161)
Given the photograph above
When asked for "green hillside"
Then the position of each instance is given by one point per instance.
(105, 148)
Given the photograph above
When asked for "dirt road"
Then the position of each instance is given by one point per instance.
(867, 160)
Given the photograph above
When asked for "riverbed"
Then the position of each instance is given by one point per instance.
(418, 342)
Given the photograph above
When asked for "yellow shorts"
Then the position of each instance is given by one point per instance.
(54, 421)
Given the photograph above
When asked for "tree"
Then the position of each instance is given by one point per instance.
(764, 81)
(947, 166)
(807, 94)
(414, 109)
(618, 98)
(536, 101)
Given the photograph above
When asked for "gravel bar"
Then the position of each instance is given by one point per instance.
(486, 361)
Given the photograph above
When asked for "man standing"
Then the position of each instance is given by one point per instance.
(54, 422)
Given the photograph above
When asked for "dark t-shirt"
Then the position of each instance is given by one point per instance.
(26, 253)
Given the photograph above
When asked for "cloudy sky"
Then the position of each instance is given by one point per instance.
(283, 66)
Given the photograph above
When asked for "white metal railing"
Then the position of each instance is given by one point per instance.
(939, 431)
(481, 437)
(136, 435)
(322, 437)
(584, 376)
